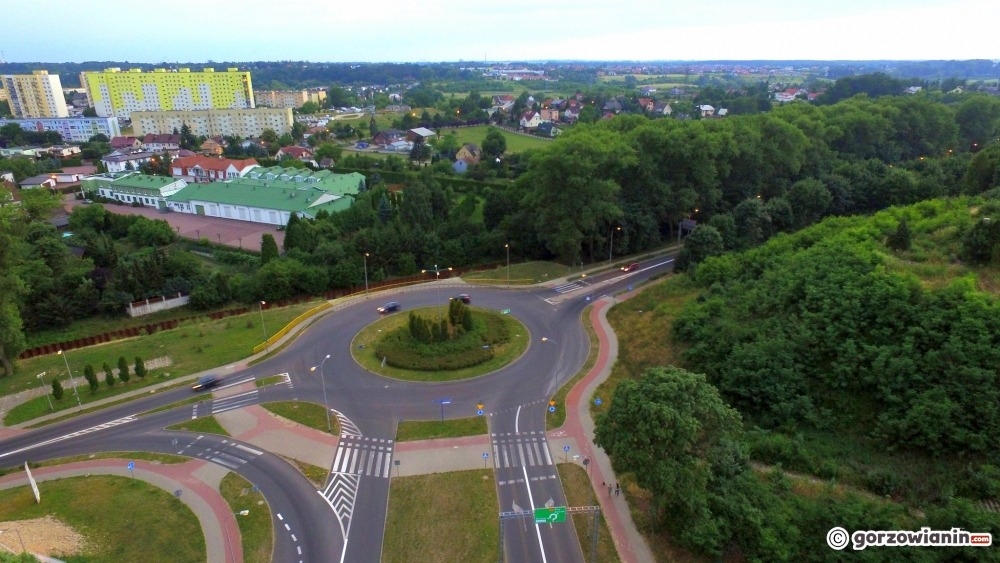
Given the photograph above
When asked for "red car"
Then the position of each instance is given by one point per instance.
(630, 267)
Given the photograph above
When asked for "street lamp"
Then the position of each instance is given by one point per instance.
(366, 272)
(71, 379)
(437, 271)
(322, 378)
(262, 327)
(507, 246)
(611, 245)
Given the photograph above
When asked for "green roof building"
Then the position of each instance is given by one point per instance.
(270, 195)
(133, 187)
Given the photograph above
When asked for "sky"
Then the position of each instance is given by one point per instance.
(508, 30)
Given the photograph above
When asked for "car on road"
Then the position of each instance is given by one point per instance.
(389, 307)
(463, 297)
(206, 382)
(630, 267)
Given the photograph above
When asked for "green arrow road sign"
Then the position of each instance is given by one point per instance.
(552, 515)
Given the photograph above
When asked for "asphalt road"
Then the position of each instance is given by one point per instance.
(345, 522)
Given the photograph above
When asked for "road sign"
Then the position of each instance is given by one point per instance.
(598, 401)
(131, 465)
(565, 448)
(552, 402)
(504, 311)
(480, 412)
(551, 515)
(479, 406)
(552, 409)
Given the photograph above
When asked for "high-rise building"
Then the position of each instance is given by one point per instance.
(240, 123)
(72, 129)
(289, 98)
(38, 94)
(117, 93)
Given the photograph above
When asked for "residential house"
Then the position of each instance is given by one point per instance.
(400, 146)
(326, 163)
(530, 120)
(706, 110)
(647, 104)
(570, 115)
(387, 136)
(125, 144)
(503, 99)
(612, 106)
(557, 103)
(126, 161)
(73, 174)
(470, 153)
(647, 90)
(547, 129)
(161, 142)
(420, 133)
(200, 168)
(662, 108)
(213, 147)
(723, 112)
(296, 152)
(63, 151)
(548, 115)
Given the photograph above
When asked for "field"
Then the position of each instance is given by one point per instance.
(515, 142)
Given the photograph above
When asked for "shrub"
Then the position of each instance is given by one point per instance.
(406, 348)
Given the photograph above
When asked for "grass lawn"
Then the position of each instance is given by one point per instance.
(363, 349)
(256, 532)
(578, 491)
(122, 519)
(515, 143)
(306, 414)
(520, 273)
(194, 346)
(411, 430)
(442, 517)
(205, 424)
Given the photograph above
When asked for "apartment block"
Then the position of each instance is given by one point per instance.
(38, 94)
(240, 123)
(117, 93)
(72, 129)
(288, 98)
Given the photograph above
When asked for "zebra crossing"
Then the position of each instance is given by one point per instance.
(567, 287)
(361, 455)
(521, 449)
(234, 401)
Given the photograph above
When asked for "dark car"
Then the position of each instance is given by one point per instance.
(206, 382)
(389, 307)
(463, 297)
(630, 267)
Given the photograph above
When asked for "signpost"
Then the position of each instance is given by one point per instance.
(550, 515)
(479, 409)
(598, 401)
(443, 402)
(566, 450)
(485, 457)
(131, 468)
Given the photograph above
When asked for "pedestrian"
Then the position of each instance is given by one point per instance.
(617, 488)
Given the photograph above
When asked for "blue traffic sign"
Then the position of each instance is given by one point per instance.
(565, 448)
(552, 409)
(485, 455)
(131, 465)
(480, 412)
(598, 401)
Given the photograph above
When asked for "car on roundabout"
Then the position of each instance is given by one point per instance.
(463, 297)
(388, 307)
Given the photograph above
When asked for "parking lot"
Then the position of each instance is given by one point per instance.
(229, 232)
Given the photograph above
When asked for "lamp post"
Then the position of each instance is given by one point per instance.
(322, 378)
(437, 271)
(71, 379)
(366, 273)
(262, 327)
(611, 245)
(507, 246)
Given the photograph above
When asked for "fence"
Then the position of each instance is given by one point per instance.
(140, 308)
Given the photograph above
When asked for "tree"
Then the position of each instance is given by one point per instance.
(328, 150)
(672, 431)
(268, 248)
(268, 136)
(188, 140)
(91, 377)
(703, 242)
(309, 107)
(109, 375)
(140, 368)
(90, 112)
(494, 145)
(123, 369)
(57, 389)
(900, 238)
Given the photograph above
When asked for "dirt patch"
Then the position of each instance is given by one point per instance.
(46, 536)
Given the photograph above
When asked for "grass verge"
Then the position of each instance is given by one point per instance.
(578, 491)
(146, 456)
(363, 350)
(205, 424)
(306, 414)
(451, 509)
(556, 419)
(412, 430)
(256, 532)
(316, 475)
(270, 380)
(520, 274)
(122, 519)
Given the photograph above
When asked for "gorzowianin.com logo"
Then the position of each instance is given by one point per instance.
(838, 538)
